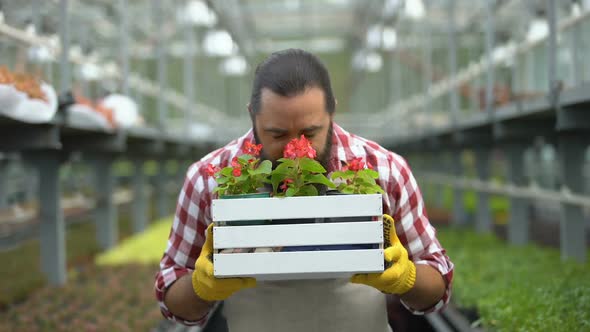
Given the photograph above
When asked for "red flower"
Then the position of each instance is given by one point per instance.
(211, 169)
(235, 162)
(356, 164)
(285, 184)
(251, 148)
(237, 172)
(299, 148)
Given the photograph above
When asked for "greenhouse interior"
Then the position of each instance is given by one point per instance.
(118, 119)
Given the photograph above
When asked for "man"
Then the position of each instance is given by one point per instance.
(292, 96)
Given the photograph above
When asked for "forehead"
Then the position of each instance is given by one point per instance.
(309, 103)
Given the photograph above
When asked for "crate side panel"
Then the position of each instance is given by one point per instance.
(303, 262)
(366, 232)
(297, 207)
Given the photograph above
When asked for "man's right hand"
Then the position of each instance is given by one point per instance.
(206, 285)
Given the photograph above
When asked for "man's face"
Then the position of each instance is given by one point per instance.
(281, 119)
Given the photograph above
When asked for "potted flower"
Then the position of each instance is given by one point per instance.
(244, 177)
(298, 173)
(357, 177)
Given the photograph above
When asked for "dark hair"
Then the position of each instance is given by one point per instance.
(288, 73)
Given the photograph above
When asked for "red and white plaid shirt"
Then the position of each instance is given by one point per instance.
(402, 200)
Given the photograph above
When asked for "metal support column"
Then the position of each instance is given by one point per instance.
(397, 77)
(483, 214)
(490, 41)
(124, 46)
(459, 215)
(162, 69)
(85, 43)
(182, 170)
(64, 36)
(140, 206)
(105, 210)
(52, 228)
(189, 75)
(162, 190)
(427, 65)
(577, 43)
(36, 15)
(452, 39)
(3, 182)
(572, 226)
(552, 51)
(439, 189)
(518, 222)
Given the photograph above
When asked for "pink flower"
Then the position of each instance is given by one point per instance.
(356, 164)
(251, 148)
(299, 148)
(237, 172)
(211, 169)
(285, 184)
(235, 162)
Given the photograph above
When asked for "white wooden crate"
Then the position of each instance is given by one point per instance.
(298, 264)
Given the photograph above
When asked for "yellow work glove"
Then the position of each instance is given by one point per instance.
(207, 286)
(400, 273)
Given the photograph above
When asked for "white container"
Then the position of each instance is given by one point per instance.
(295, 264)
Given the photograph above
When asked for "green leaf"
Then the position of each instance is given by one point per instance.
(226, 171)
(242, 177)
(366, 181)
(348, 190)
(379, 190)
(291, 192)
(287, 161)
(222, 179)
(308, 190)
(373, 174)
(276, 179)
(346, 175)
(311, 165)
(367, 176)
(264, 168)
(319, 178)
(220, 190)
(370, 190)
(245, 157)
(283, 168)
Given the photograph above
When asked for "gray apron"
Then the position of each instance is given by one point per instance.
(327, 305)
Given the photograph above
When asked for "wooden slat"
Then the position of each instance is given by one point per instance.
(297, 207)
(363, 232)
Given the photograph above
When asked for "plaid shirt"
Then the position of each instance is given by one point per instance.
(402, 200)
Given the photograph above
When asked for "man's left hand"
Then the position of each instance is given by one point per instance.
(400, 273)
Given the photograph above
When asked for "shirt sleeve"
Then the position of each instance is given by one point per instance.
(186, 238)
(414, 230)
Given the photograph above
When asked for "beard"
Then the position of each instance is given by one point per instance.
(323, 157)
